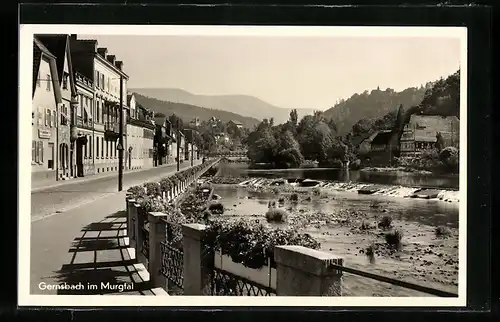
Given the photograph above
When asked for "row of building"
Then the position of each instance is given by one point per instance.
(79, 91)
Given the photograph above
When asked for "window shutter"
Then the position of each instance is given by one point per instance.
(37, 151)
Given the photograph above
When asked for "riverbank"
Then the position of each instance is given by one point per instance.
(282, 185)
(395, 169)
(348, 225)
(405, 169)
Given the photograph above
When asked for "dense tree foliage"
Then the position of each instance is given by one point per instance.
(443, 98)
(288, 145)
(372, 105)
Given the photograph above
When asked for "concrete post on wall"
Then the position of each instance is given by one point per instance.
(131, 222)
(157, 233)
(197, 260)
(302, 271)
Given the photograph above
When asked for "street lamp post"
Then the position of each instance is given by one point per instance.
(192, 149)
(178, 146)
(120, 140)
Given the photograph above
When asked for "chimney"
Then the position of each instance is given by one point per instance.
(102, 51)
(119, 64)
(111, 59)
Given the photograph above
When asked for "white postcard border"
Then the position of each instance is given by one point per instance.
(24, 177)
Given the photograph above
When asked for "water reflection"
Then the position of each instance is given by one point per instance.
(428, 212)
(392, 178)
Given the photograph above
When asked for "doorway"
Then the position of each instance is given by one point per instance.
(50, 161)
(79, 158)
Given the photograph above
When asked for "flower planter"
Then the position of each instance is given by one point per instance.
(264, 276)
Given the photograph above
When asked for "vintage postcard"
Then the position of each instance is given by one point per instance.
(255, 166)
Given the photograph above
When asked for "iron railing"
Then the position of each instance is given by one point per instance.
(112, 127)
(172, 260)
(396, 282)
(172, 263)
(224, 283)
(86, 124)
(145, 240)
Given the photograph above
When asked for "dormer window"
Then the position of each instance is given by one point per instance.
(65, 80)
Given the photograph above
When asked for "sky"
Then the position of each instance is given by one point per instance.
(289, 72)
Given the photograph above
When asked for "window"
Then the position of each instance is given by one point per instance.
(40, 116)
(64, 113)
(98, 110)
(48, 82)
(65, 80)
(97, 78)
(47, 117)
(107, 149)
(90, 147)
(54, 118)
(102, 81)
(97, 147)
(39, 157)
(33, 151)
(102, 148)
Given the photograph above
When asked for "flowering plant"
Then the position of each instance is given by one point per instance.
(153, 189)
(251, 243)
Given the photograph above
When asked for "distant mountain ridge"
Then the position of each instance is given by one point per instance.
(244, 105)
(188, 112)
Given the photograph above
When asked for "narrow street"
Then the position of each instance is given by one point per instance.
(57, 200)
(84, 243)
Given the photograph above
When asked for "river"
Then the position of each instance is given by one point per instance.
(401, 178)
(425, 259)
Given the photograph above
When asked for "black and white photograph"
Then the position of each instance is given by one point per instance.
(196, 165)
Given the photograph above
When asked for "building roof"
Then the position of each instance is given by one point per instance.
(368, 137)
(432, 118)
(425, 139)
(42, 47)
(426, 127)
(381, 138)
(57, 44)
(38, 49)
(236, 122)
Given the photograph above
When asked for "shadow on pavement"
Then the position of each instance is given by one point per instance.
(99, 261)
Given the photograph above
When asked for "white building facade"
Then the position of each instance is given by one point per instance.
(106, 110)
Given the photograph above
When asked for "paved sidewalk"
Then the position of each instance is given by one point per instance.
(38, 186)
(60, 199)
(87, 245)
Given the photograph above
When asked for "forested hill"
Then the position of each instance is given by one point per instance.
(374, 104)
(187, 112)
